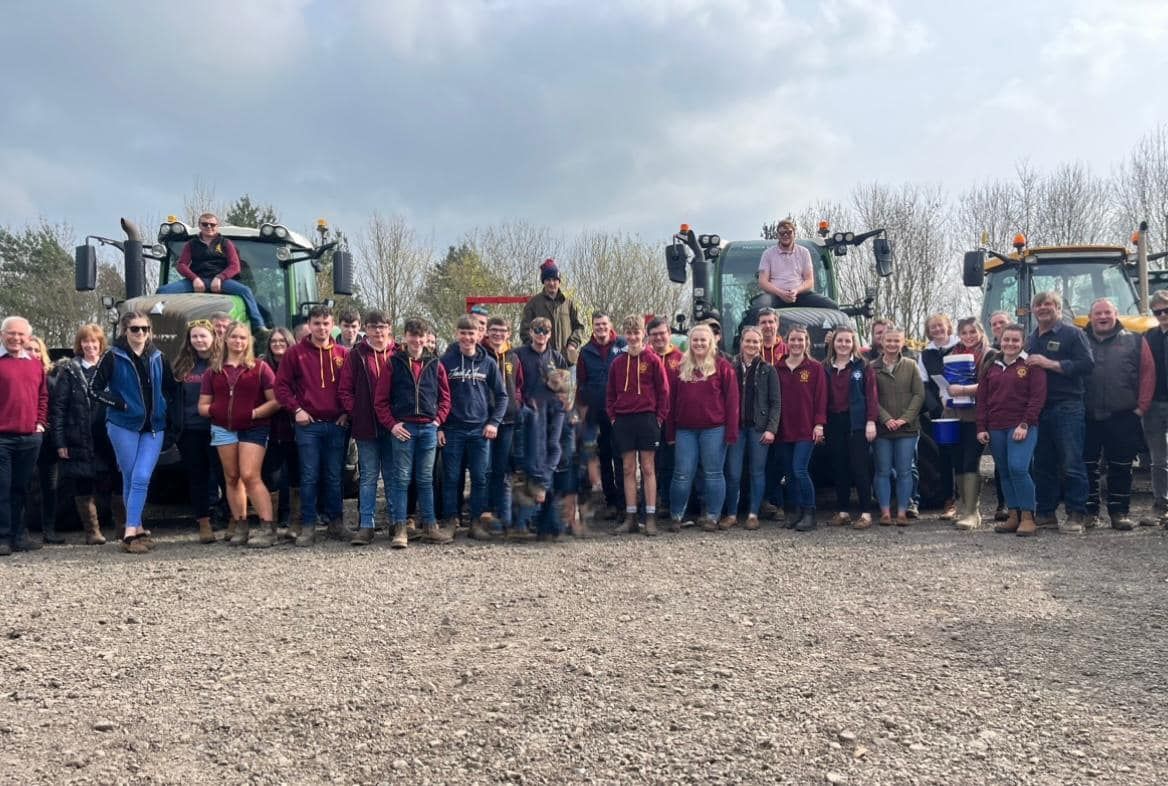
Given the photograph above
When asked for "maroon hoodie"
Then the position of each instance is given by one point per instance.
(803, 390)
(705, 403)
(309, 379)
(363, 366)
(1010, 395)
(637, 383)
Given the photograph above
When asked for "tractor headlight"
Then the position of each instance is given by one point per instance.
(267, 230)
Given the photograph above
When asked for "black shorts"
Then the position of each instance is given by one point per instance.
(636, 432)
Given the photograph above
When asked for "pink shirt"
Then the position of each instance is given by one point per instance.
(787, 269)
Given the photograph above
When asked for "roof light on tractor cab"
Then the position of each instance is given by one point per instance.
(824, 227)
(267, 231)
(1019, 241)
(715, 240)
(282, 232)
(684, 228)
(171, 219)
(1135, 238)
(840, 237)
(849, 237)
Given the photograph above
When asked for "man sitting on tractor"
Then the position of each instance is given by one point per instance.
(786, 273)
(210, 263)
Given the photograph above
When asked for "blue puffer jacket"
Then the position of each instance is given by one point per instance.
(120, 377)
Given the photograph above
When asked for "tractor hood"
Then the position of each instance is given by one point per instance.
(818, 321)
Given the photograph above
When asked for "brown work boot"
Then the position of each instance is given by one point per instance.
(863, 522)
(307, 537)
(432, 533)
(362, 537)
(885, 519)
(134, 546)
(841, 519)
(479, 530)
(728, 522)
(948, 510)
(901, 521)
(241, 533)
(206, 534)
(87, 511)
(337, 529)
(628, 526)
(400, 538)
(264, 537)
(1027, 527)
(229, 533)
(709, 525)
(674, 524)
(651, 525)
(751, 522)
(1010, 524)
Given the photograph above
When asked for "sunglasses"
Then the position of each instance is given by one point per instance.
(1160, 311)
(785, 232)
(139, 328)
(540, 331)
(208, 224)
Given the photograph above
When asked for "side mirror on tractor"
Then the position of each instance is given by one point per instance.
(973, 268)
(677, 257)
(342, 272)
(85, 268)
(882, 249)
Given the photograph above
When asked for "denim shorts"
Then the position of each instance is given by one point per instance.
(257, 435)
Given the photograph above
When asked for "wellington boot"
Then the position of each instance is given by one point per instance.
(1027, 527)
(87, 512)
(241, 533)
(969, 517)
(1010, 525)
(206, 534)
(264, 537)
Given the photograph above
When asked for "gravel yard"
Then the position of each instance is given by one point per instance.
(887, 656)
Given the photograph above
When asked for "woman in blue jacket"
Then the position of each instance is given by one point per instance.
(135, 379)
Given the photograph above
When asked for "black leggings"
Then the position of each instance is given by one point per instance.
(851, 461)
(194, 445)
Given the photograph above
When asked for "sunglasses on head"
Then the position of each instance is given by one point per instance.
(541, 331)
(138, 328)
(200, 323)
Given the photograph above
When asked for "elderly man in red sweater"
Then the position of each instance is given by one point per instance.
(23, 420)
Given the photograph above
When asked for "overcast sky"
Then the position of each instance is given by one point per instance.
(609, 115)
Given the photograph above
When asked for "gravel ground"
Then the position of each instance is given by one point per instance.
(887, 656)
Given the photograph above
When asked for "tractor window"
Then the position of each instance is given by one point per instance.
(1001, 294)
(1080, 284)
(259, 270)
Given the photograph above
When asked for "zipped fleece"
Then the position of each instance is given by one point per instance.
(363, 367)
(412, 391)
(309, 379)
(512, 371)
(233, 403)
(477, 395)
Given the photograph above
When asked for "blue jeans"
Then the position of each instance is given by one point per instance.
(229, 286)
(747, 444)
(498, 489)
(794, 459)
(414, 460)
(894, 453)
(18, 458)
(544, 424)
(464, 441)
(774, 476)
(1062, 428)
(374, 459)
(322, 453)
(137, 453)
(1012, 460)
(710, 445)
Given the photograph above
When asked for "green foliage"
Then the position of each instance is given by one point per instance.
(462, 272)
(36, 282)
(245, 213)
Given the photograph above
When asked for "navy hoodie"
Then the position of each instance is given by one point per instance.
(477, 395)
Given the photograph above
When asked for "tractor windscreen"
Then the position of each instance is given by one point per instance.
(738, 279)
(259, 270)
(1079, 284)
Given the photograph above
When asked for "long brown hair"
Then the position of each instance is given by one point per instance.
(188, 357)
(830, 358)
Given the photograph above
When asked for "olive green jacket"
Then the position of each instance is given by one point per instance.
(901, 394)
(567, 329)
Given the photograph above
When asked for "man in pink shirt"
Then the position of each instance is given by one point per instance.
(786, 272)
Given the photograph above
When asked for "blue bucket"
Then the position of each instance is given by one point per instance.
(947, 431)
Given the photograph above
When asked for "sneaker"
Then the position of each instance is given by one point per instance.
(432, 533)
(1122, 522)
(400, 538)
(841, 519)
(912, 511)
(1092, 520)
(363, 537)
(863, 522)
(752, 522)
(728, 522)
(307, 537)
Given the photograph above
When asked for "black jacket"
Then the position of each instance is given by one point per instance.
(764, 415)
(77, 422)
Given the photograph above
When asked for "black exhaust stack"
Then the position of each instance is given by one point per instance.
(135, 265)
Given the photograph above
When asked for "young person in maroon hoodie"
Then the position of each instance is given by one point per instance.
(364, 365)
(23, 421)
(308, 386)
(853, 407)
(703, 419)
(637, 403)
(1010, 398)
(412, 400)
(238, 397)
(803, 390)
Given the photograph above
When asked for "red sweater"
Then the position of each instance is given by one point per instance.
(309, 379)
(25, 393)
(1009, 395)
(637, 383)
(705, 403)
(772, 355)
(803, 390)
(672, 361)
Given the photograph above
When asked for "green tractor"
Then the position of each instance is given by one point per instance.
(725, 282)
(278, 264)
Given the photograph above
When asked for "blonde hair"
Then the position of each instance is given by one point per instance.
(693, 369)
(632, 324)
(44, 350)
(944, 318)
(249, 360)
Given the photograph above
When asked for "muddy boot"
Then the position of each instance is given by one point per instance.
(970, 517)
(87, 512)
(294, 526)
(479, 529)
(206, 534)
(1027, 527)
(229, 533)
(240, 537)
(362, 537)
(628, 526)
(400, 538)
(337, 529)
(1010, 524)
(432, 533)
(265, 536)
(306, 537)
(651, 525)
(806, 522)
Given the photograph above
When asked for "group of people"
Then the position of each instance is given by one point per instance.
(643, 435)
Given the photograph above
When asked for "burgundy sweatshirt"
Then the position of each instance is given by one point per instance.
(803, 390)
(839, 391)
(1010, 395)
(309, 379)
(705, 403)
(637, 383)
(25, 393)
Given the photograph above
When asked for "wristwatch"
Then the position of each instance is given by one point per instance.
(1024, 425)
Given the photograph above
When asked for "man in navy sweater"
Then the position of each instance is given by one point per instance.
(22, 422)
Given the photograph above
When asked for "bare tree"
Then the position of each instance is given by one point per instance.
(514, 250)
(1072, 207)
(392, 265)
(1140, 189)
(202, 199)
(619, 274)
